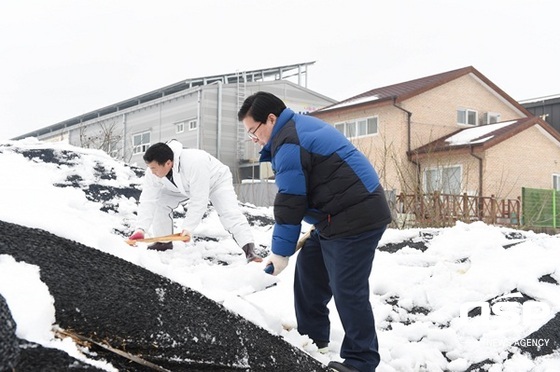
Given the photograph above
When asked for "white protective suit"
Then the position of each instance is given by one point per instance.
(199, 177)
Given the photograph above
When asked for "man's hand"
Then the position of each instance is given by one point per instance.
(138, 234)
(187, 235)
(250, 254)
(276, 264)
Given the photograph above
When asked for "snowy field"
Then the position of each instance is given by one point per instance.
(470, 297)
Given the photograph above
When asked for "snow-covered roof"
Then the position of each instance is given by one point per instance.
(477, 134)
(485, 135)
(400, 92)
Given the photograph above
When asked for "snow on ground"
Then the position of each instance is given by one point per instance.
(428, 285)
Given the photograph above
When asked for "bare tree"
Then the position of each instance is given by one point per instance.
(106, 136)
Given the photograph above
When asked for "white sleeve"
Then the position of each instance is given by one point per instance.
(197, 171)
(151, 190)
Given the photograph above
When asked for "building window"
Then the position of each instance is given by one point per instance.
(340, 127)
(446, 180)
(358, 127)
(467, 117)
(350, 129)
(252, 172)
(367, 126)
(190, 124)
(556, 182)
(140, 142)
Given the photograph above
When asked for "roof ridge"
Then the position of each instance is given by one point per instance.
(406, 88)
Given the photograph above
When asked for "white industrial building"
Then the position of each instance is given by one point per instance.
(200, 113)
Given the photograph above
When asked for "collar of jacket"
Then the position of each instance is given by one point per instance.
(284, 117)
(177, 148)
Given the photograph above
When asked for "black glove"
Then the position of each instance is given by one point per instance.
(250, 254)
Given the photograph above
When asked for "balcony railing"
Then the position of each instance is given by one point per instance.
(437, 209)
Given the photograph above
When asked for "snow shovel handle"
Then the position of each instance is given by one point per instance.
(269, 269)
(164, 238)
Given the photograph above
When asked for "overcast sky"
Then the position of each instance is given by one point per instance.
(63, 58)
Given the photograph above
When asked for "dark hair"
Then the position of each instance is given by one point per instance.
(158, 152)
(259, 105)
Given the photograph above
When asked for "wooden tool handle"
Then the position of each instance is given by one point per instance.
(301, 241)
(164, 238)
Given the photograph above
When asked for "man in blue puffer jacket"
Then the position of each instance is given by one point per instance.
(324, 180)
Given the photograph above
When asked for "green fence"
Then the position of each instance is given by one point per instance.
(541, 207)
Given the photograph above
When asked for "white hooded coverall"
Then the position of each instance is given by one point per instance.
(199, 177)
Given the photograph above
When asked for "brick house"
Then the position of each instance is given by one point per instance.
(453, 133)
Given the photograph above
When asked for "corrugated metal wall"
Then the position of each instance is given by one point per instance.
(213, 106)
(548, 109)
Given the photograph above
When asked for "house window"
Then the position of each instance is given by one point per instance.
(446, 180)
(340, 127)
(358, 127)
(467, 117)
(193, 124)
(140, 142)
(180, 127)
(556, 182)
(351, 129)
(367, 126)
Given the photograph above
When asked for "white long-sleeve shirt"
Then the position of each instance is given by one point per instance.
(195, 174)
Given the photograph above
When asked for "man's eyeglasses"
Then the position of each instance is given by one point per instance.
(252, 134)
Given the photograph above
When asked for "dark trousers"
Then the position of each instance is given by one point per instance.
(339, 268)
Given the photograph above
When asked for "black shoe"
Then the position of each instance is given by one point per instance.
(159, 246)
(341, 367)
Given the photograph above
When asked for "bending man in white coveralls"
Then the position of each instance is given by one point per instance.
(178, 176)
